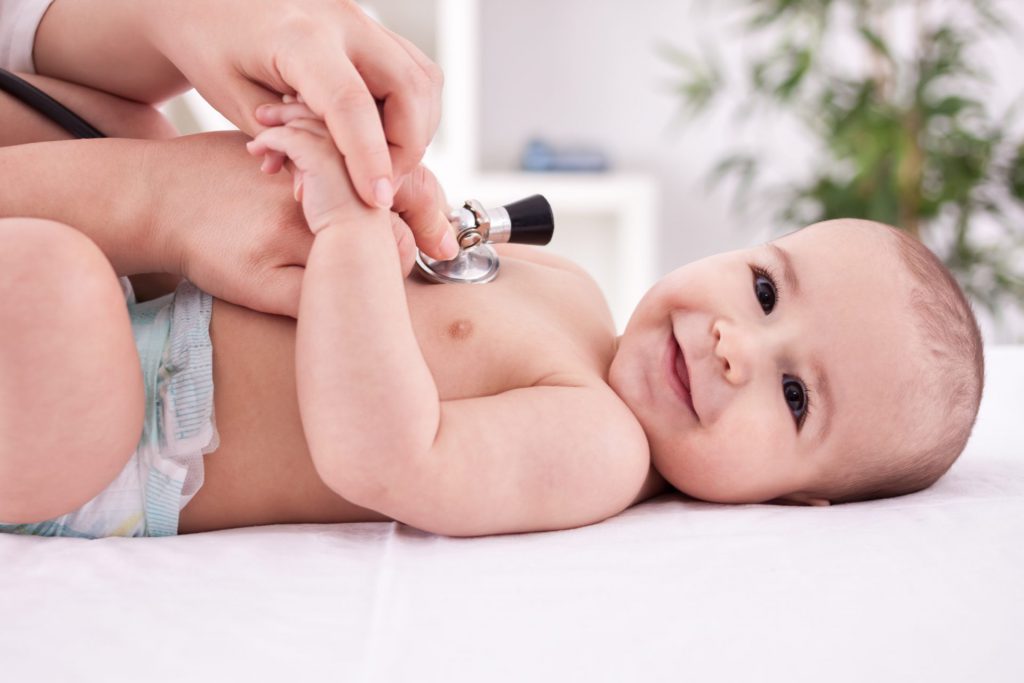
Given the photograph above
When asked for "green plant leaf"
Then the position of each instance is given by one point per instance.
(700, 79)
(1016, 174)
(954, 105)
(909, 140)
(875, 41)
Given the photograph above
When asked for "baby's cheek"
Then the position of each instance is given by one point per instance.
(735, 458)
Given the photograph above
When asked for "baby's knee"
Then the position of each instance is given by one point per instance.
(56, 284)
(61, 306)
(72, 386)
(43, 261)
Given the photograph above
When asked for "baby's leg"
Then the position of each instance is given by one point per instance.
(71, 390)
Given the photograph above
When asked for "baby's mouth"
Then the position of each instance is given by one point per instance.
(678, 373)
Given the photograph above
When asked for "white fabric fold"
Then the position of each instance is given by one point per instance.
(19, 20)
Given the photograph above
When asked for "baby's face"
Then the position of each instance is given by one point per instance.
(797, 355)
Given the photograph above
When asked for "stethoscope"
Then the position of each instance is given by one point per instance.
(528, 221)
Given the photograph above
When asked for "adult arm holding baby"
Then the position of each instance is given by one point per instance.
(191, 206)
(240, 54)
(151, 208)
(242, 241)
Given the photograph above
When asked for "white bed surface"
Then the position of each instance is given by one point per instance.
(925, 587)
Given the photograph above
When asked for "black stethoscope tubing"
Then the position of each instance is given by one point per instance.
(47, 106)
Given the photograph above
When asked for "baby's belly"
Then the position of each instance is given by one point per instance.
(261, 473)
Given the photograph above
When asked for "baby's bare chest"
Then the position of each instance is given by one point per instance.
(532, 323)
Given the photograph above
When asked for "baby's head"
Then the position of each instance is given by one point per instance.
(838, 363)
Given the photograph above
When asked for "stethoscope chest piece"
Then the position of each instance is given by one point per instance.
(476, 266)
(528, 221)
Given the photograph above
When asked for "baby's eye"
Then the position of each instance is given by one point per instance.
(796, 398)
(764, 290)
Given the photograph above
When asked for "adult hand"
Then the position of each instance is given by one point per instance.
(235, 232)
(421, 204)
(240, 54)
(231, 230)
(420, 201)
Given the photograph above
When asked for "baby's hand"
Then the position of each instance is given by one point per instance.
(319, 178)
(421, 210)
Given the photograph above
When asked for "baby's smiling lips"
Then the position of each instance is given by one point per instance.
(678, 373)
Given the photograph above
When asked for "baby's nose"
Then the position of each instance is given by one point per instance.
(731, 351)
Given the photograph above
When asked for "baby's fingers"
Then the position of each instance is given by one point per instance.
(319, 180)
(307, 150)
(272, 163)
(280, 114)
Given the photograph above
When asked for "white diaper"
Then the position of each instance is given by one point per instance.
(172, 335)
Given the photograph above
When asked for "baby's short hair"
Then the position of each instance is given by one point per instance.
(952, 351)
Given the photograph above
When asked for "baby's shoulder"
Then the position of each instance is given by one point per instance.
(583, 295)
(526, 252)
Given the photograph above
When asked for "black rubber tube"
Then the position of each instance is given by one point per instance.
(47, 106)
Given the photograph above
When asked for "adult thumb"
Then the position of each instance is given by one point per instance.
(239, 106)
(421, 204)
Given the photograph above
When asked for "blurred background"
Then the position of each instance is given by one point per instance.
(664, 131)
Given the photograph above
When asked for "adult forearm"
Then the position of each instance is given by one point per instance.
(368, 400)
(107, 45)
(95, 186)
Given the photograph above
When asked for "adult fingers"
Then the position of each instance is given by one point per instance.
(408, 83)
(434, 75)
(335, 90)
(396, 80)
(420, 202)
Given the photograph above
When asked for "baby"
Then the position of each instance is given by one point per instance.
(837, 363)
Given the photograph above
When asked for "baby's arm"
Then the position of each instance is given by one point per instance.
(365, 390)
(543, 457)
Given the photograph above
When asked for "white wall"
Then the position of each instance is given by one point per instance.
(587, 71)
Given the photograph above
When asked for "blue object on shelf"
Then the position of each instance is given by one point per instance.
(539, 155)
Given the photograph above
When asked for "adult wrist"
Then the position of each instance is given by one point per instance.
(123, 223)
(154, 206)
(108, 45)
(150, 20)
(94, 186)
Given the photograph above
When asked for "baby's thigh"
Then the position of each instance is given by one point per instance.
(71, 389)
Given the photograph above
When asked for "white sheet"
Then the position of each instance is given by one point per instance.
(926, 587)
